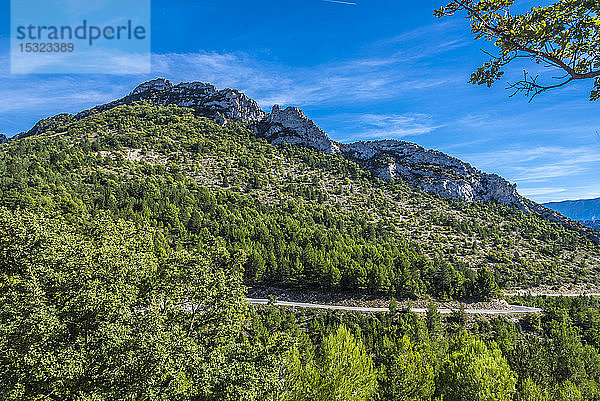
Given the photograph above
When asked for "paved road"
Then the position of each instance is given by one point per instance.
(514, 308)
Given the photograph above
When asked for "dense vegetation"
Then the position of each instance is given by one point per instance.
(300, 218)
(126, 240)
(100, 311)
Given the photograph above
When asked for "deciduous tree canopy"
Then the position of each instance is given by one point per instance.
(564, 36)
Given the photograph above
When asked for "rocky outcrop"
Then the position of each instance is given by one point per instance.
(432, 171)
(293, 127)
(205, 99)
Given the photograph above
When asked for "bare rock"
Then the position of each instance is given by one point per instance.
(432, 171)
(205, 99)
(293, 127)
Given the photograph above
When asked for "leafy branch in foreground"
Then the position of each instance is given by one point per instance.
(564, 36)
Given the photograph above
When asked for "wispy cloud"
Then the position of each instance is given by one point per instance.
(391, 126)
(541, 191)
(348, 3)
(362, 79)
(536, 164)
(378, 76)
(544, 172)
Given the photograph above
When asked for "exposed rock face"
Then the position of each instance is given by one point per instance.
(432, 171)
(221, 105)
(293, 127)
(153, 86)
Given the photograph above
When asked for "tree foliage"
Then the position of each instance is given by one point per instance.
(564, 36)
(342, 371)
(408, 372)
(475, 371)
(92, 312)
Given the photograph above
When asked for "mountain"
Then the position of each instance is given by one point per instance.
(582, 209)
(207, 166)
(428, 170)
(595, 224)
(220, 105)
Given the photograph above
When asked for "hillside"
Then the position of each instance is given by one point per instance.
(130, 232)
(322, 214)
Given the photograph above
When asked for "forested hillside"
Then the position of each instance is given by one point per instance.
(127, 239)
(299, 217)
(100, 311)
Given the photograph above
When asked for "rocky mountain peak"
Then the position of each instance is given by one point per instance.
(205, 99)
(159, 84)
(290, 125)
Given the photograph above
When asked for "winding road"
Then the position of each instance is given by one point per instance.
(514, 309)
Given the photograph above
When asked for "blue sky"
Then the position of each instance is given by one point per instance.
(377, 69)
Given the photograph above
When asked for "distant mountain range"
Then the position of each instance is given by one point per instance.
(586, 211)
(595, 224)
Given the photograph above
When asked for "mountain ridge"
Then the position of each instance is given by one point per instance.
(585, 211)
(390, 159)
(428, 170)
(577, 209)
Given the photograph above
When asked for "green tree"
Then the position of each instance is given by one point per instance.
(567, 391)
(486, 286)
(90, 312)
(530, 391)
(433, 320)
(563, 35)
(408, 373)
(475, 372)
(343, 372)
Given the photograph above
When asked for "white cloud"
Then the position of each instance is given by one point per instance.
(362, 80)
(540, 191)
(392, 126)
